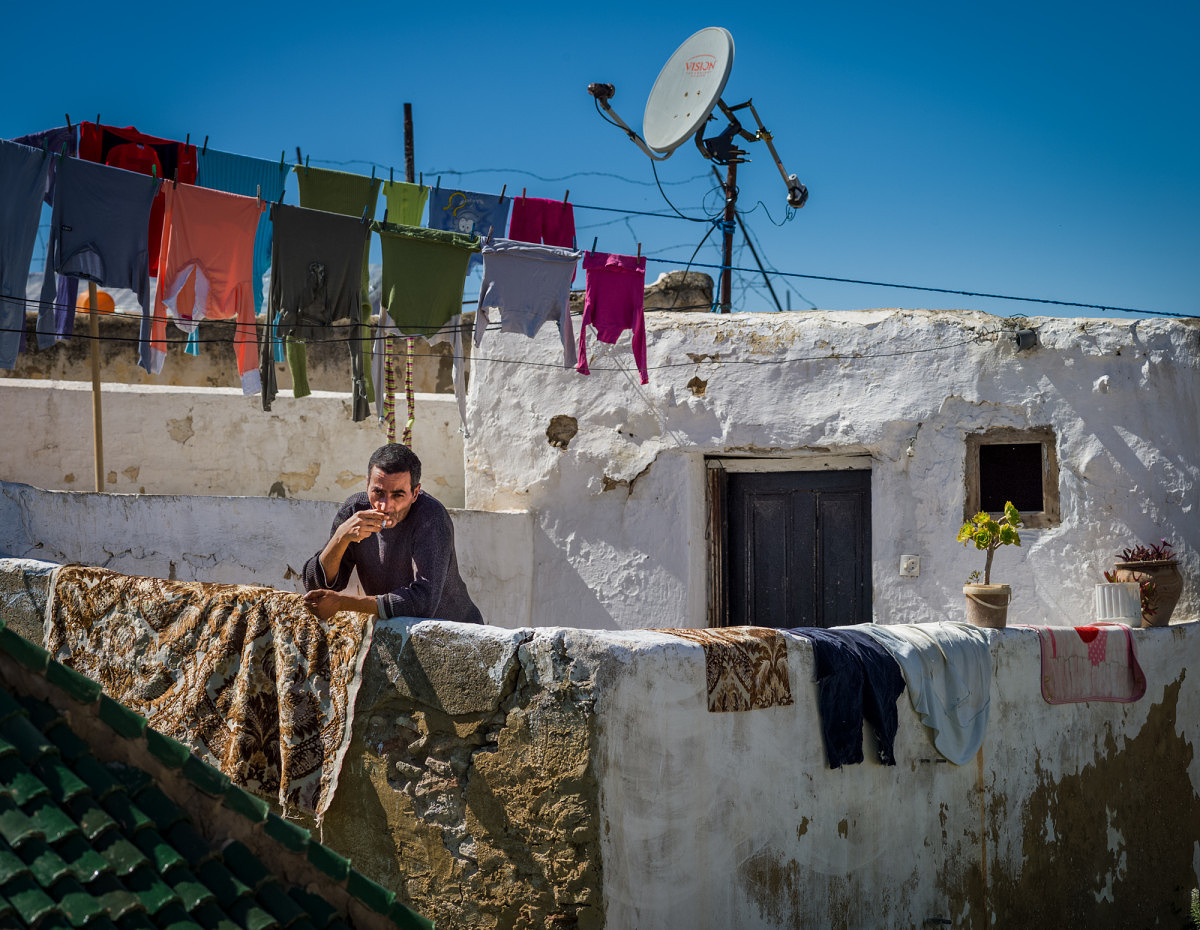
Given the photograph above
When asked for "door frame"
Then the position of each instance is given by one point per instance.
(716, 534)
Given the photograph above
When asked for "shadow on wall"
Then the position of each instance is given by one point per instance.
(560, 596)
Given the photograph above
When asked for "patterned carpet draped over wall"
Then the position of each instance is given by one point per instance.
(247, 677)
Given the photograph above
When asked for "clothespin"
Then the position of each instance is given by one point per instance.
(391, 175)
(187, 138)
(439, 183)
(63, 153)
(204, 151)
(489, 236)
(258, 195)
(522, 193)
(595, 239)
(306, 157)
(566, 195)
(175, 186)
(68, 122)
(372, 172)
(421, 176)
(385, 216)
(282, 156)
(97, 119)
(154, 172)
(639, 254)
(502, 190)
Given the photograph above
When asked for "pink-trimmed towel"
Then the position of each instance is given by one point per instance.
(1090, 663)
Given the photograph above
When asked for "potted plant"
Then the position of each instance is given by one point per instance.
(1156, 569)
(987, 603)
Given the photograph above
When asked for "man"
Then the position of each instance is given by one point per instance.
(401, 541)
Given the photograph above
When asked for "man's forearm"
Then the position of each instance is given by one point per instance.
(331, 557)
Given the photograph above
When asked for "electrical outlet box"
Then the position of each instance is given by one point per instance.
(910, 566)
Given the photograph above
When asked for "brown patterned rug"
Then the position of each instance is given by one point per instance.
(246, 676)
(745, 667)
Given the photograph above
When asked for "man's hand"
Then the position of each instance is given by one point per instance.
(360, 525)
(325, 603)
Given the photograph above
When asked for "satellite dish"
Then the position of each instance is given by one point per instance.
(687, 89)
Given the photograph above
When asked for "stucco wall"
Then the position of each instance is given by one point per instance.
(185, 440)
(243, 540)
(619, 488)
(560, 778)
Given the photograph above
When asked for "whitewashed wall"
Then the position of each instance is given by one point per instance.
(620, 540)
(1071, 815)
(188, 440)
(242, 540)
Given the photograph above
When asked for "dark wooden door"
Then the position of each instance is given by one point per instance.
(797, 548)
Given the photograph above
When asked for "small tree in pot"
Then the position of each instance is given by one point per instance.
(987, 603)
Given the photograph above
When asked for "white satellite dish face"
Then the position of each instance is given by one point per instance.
(687, 89)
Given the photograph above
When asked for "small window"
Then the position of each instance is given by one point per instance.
(1013, 465)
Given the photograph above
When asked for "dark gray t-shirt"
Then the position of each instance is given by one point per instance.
(411, 568)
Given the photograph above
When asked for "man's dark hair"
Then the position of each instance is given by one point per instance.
(395, 459)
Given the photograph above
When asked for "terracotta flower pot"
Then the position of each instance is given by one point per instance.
(1168, 585)
(987, 604)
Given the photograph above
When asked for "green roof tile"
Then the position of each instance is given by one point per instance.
(121, 854)
(151, 891)
(46, 865)
(28, 900)
(30, 743)
(248, 913)
(244, 864)
(159, 808)
(189, 888)
(15, 827)
(11, 865)
(18, 782)
(137, 920)
(62, 783)
(93, 819)
(92, 771)
(131, 817)
(272, 897)
(92, 845)
(117, 901)
(319, 910)
(194, 847)
(373, 894)
(77, 686)
(76, 904)
(85, 862)
(291, 835)
(252, 808)
(332, 864)
(224, 884)
(31, 655)
(162, 855)
(70, 745)
(211, 917)
(205, 777)
(48, 818)
(123, 720)
(169, 752)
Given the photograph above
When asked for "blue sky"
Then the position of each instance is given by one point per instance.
(1037, 150)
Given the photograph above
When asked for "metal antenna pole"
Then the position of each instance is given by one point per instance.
(409, 170)
(754, 252)
(730, 216)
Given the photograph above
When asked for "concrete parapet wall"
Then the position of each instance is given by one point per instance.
(243, 540)
(575, 778)
(182, 440)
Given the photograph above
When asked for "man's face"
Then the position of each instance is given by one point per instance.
(391, 495)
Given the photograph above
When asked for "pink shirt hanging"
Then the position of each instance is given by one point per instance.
(613, 303)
